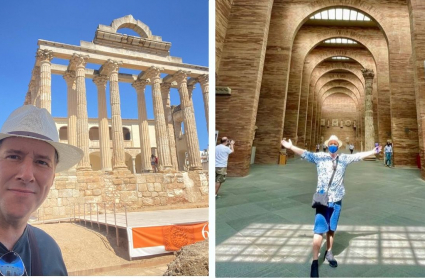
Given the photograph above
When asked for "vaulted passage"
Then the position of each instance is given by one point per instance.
(307, 69)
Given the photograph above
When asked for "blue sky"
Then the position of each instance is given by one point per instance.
(184, 23)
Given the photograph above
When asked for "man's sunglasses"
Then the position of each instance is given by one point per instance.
(11, 264)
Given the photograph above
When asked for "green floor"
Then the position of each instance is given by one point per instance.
(264, 223)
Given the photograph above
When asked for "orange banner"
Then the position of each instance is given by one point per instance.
(173, 237)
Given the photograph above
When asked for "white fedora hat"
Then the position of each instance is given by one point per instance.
(31, 122)
(333, 138)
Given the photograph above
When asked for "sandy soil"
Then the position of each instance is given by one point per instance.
(89, 252)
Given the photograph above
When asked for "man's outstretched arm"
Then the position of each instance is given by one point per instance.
(371, 152)
(288, 145)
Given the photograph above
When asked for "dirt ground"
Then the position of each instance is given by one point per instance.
(89, 252)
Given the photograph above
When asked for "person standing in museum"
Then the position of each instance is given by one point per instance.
(222, 152)
(388, 150)
(326, 219)
(317, 147)
(351, 147)
(30, 156)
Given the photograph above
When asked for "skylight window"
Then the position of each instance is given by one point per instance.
(340, 14)
(340, 58)
(341, 41)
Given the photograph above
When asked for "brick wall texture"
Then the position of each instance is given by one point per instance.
(284, 81)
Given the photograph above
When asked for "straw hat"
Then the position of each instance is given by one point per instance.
(31, 122)
(333, 138)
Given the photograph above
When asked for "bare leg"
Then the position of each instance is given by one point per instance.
(317, 241)
(217, 187)
(329, 240)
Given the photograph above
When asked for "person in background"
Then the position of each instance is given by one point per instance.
(317, 148)
(351, 147)
(154, 163)
(388, 150)
(222, 152)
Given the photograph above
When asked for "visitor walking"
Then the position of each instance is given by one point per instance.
(351, 147)
(330, 180)
(388, 150)
(222, 152)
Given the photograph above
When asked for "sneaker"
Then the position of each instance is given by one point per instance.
(330, 258)
(314, 272)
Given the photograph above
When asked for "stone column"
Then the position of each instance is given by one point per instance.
(44, 57)
(71, 82)
(104, 144)
(203, 80)
(36, 73)
(145, 143)
(369, 128)
(165, 91)
(79, 61)
(162, 144)
(118, 154)
(189, 122)
(133, 160)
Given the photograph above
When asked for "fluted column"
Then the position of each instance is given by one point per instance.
(165, 91)
(36, 73)
(104, 144)
(369, 128)
(44, 57)
(145, 143)
(203, 80)
(118, 154)
(71, 82)
(163, 147)
(189, 122)
(82, 118)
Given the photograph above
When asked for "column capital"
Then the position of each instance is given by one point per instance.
(69, 76)
(181, 77)
(44, 55)
(140, 84)
(165, 86)
(78, 61)
(110, 66)
(368, 73)
(153, 73)
(100, 80)
(203, 79)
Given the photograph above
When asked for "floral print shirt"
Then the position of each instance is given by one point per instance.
(324, 165)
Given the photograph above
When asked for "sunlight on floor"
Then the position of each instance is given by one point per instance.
(371, 245)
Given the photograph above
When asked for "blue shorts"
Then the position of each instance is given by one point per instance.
(327, 218)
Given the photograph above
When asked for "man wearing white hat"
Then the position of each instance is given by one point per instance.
(330, 166)
(30, 155)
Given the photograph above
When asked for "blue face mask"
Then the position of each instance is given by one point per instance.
(333, 149)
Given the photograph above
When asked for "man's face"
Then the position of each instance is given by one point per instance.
(27, 171)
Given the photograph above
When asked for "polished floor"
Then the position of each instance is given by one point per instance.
(264, 223)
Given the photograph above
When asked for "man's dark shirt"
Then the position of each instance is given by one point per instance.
(50, 253)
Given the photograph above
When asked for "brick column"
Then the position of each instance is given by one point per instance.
(82, 118)
(118, 155)
(71, 82)
(165, 91)
(369, 128)
(145, 144)
(203, 80)
(189, 122)
(44, 57)
(104, 144)
(163, 147)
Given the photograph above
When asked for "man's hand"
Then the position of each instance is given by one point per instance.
(286, 144)
(378, 149)
(232, 142)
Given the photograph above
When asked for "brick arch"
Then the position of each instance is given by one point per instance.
(340, 84)
(129, 22)
(328, 71)
(363, 6)
(342, 90)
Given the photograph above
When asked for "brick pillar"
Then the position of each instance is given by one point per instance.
(71, 82)
(163, 147)
(165, 91)
(203, 80)
(118, 154)
(369, 128)
(104, 144)
(189, 122)
(44, 57)
(145, 144)
(82, 118)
